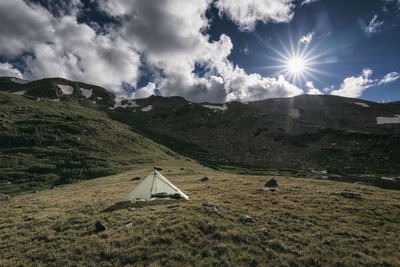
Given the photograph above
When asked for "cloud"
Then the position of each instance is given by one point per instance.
(161, 41)
(374, 25)
(246, 13)
(306, 2)
(355, 86)
(312, 90)
(307, 38)
(145, 91)
(391, 77)
(7, 69)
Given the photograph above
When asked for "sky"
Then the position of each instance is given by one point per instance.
(208, 50)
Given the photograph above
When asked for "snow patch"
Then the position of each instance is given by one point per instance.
(99, 98)
(362, 104)
(87, 92)
(126, 103)
(215, 107)
(66, 89)
(385, 120)
(148, 108)
(19, 92)
(20, 81)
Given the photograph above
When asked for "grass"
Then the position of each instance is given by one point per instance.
(48, 143)
(308, 222)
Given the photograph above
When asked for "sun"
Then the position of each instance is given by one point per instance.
(296, 65)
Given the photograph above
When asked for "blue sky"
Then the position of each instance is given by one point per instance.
(208, 50)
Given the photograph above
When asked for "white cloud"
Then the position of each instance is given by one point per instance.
(374, 25)
(355, 86)
(167, 40)
(391, 77)
(307, 38)
(145, 91)
(311, 89)
(246, 13)
(306, 2)
(7, 69)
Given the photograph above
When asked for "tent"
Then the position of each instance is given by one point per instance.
(154, 186)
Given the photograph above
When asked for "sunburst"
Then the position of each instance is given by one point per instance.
(298, 62)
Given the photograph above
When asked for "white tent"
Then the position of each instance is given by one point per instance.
(154, 186)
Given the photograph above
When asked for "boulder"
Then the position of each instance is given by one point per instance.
(271, 183)
(246, 219)
(205, 178)
(212, 206)
(100, 226)
(135, 178)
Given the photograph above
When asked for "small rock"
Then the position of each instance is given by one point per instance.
(99, 226)
(262, 232)
(4, 197)
(129, 224)
(271, 182)
(350, 195)
(132, 209)
(52, 187)
(135, 178)
(246, 219)
(211, 205)
(182, 169)
(205, 178)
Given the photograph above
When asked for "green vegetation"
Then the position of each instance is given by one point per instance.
(48, 143)
(308, 223)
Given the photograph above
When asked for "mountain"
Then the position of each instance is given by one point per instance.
(55, 131)
(307, 132)
(49, 138)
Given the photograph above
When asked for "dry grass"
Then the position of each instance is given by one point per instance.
(308, 223)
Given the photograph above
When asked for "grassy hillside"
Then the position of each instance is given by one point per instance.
(307, 222)
(46, 142)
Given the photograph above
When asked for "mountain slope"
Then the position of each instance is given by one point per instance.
(306, 132)
(46, 142)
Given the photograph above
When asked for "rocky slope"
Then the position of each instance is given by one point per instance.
(340, 135)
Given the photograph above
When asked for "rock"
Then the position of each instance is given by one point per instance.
(246, 219)
(99, 226)
(52, 187)
(4, 197)
(271, 183)
(129, 224)
(262, 232)
(135, 178)
(205, 178)
(211, 205)
(350, 195)
(271, 189)
(132, 209)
